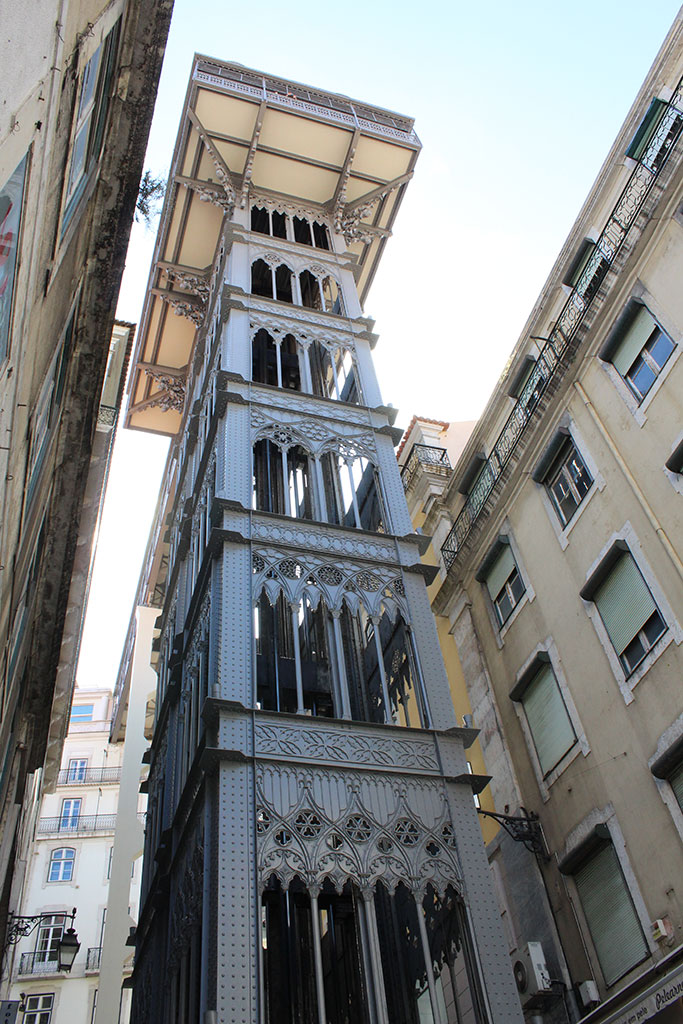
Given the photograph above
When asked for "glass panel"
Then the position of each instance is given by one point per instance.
(11, 199)
(641, 377)
(82, 712)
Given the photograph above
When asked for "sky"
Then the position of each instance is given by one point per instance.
(516, 106)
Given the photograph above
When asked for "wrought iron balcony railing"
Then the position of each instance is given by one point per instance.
(93, 958)
(424, 455)
(564, 333)
(88, 776)
(39, 963)
(79, 823)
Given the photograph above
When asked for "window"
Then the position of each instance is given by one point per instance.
(49, 937)
(587, 270)
(638, 350)
(503, 581)
(549, 723)
(38, 1009)
(626, 606)
(11, 202)
(610, 914)
(656, 134)
(82, 712)
(71, 812)
(284, 225)
(109, 861)
(90, 120)
(675, 780)
(567, 481)
(77, 769)
(61, 865)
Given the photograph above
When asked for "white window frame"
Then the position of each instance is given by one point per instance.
(67, 816)
(48, 936)
(37, 1011)
(76, 769)
(673, 633)
(79, 720)
(639, 409)
(575, 436)
(581, 747)
(61, 862)
(527, 597)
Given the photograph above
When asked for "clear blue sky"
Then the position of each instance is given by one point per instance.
(516, 105)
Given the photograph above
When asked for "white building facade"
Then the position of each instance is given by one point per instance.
(69, 867)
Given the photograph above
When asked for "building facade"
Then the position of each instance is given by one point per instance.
(78, 82)
(70, 866)
(558, 534)
(312, 848)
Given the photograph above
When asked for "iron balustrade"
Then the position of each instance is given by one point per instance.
(564, 333)
(41, 962)
(424, 455)
(93, 958)
(68, 825)
(87, 776)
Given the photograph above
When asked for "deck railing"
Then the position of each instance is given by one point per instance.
(88, 776)
(424, 455)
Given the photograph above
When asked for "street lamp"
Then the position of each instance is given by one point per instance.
(68, 946)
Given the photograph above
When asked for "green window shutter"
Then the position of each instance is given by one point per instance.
(610, 914)
(499, 572)
(633, 341)
(624, 602)
(676, 783)
(646, 130)
(549, 722)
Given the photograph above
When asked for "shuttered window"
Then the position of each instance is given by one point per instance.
(624, 602)
(676, 783)
(610, 914)
(549, 722)
(634, 341)
(500, 572)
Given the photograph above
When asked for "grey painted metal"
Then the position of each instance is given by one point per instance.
(230, 820)
(318, 957)
(429, 967)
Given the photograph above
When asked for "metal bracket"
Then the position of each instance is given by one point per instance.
(524, 828)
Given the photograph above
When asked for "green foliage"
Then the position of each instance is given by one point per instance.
(150, 195)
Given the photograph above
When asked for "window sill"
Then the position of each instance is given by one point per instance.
(648, 661)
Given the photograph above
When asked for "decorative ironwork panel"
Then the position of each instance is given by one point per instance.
(564, 334)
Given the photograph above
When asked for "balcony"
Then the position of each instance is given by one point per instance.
(565, 338)
(82, 824)
(93, 958)
(39, 963)
(433, 459)
(88, 776)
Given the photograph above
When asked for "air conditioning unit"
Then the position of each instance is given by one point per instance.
(588, 992)
(531, 974)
